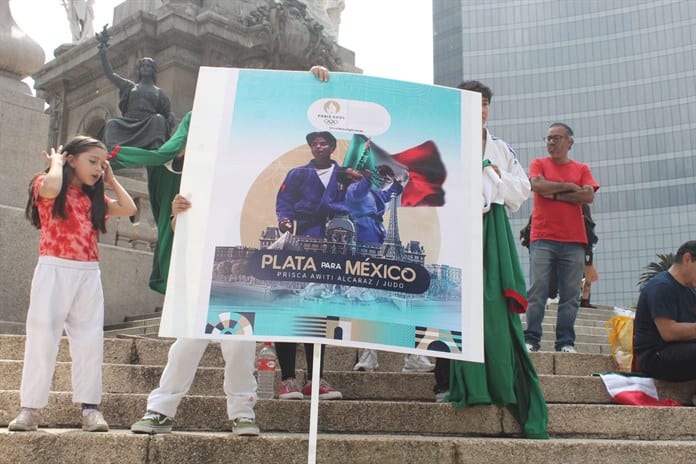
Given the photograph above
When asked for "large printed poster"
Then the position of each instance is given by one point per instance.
(344, 212)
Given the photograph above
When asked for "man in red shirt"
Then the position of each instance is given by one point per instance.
(558, 239)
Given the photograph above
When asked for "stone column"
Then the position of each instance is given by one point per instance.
(23, 126)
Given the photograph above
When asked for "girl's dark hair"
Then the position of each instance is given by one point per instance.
(79, 144)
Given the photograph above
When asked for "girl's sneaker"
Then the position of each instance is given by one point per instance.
(289, 390)
(26, 421)
(152, 423)
(245, 427)
(94, 422)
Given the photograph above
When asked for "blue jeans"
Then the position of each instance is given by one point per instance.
(567, 259)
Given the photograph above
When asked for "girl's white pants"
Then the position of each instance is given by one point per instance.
(182, 362)
(68, 295)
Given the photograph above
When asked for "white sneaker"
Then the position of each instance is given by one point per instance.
(417, 363)
(368, 361)
(94, 422)
(568, 349)
(531, 348)
(245, 427)
(26, 421)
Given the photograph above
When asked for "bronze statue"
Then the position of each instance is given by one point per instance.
(147, 119)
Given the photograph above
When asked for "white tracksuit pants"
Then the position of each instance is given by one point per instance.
(182, 362)
(65, 294)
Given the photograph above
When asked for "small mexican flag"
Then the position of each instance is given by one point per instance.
(635, 390)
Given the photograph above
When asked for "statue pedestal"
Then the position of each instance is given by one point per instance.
(23, 126)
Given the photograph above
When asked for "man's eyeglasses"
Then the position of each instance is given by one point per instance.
(554, 138)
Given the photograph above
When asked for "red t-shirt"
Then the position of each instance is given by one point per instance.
(559, 220)
(72, 238)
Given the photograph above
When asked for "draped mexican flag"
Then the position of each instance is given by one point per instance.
(507, 377)
(633, 390)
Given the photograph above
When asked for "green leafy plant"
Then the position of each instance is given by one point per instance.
(664, 262)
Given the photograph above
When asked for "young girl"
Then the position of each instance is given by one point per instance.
(68, 204)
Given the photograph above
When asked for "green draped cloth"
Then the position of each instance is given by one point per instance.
(162, 186)
(507, 377)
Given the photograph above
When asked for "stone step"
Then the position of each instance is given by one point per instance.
(583, 316)
(146, 351)
(550, 327)
(119, 446)
(378, 386)
(594, 324)
(151, 330)
(139, 322)
(207, 413)
(603, 310)
(589, 348)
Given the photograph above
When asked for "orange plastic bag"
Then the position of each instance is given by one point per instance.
(620, 331)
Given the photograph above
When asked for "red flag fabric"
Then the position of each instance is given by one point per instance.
(634, 390)
(427, 173)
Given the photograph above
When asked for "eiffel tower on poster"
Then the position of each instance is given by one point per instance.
(391, 248)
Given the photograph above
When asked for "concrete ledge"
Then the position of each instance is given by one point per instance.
(58, 446)
(153, 352)
(198, 413)
(116, 351)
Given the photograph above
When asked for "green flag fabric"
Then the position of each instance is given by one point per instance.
(162, 185)
(364, 155)
(507, 377)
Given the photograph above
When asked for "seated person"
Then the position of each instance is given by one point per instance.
(665, 327)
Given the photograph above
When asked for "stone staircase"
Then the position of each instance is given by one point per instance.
(386, 416)
(146, 325)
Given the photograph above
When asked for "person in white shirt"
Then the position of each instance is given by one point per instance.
(512, 188)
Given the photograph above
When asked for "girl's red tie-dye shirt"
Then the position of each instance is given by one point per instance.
(72, 238)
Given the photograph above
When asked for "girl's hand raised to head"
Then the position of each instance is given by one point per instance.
(56, 156)
(108, 173)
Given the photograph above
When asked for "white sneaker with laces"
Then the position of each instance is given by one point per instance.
(568, 349)
(417, 363)
(368, 361)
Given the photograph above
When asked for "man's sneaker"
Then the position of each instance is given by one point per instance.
(245, 427)
(531, 348)
(440, 396)
(326, 391)
(152, 423)
(368, 361)
(289, 390)
(94, 422)
(417, 363)
(568, 349)
(26, 421)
